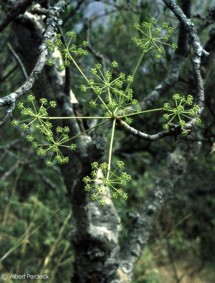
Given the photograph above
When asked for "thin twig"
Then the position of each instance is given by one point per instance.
(16, 56)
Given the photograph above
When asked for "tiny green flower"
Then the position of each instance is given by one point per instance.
(120, 164)
(114, 195)
(166, 116)
(85, 43)
(48, 163)
(102, 202)
(94, 165)
(189, 100)
(93, 103)
(166, 106)
(73, 146)
(20, 105)
(15, 123)
(25, 127)
(83, 88)
(130, 79)
(61, 67)
(176, 96)
(165, 126)
(66, 129)
(31, 98)
(59, 129)
(185, 132)
(104, 166)
(98, 66)
(35, 145)
(86, 179)
(94, 173)
(50, 46)
(93, 71)
(41, 151)
(44, 101)
(71, 34)
(128, 120)
(94, 197)
(53, 104)
(114, 64)
(88, 187)
(30, 138)
(50, 62)
(182, 123)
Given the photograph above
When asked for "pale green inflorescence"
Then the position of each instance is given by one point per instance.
(36, 124)
(116, 180)
(182, 111)
(154, 39)
(113, 94)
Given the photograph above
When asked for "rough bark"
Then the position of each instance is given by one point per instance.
(95, 236)
(98, 255)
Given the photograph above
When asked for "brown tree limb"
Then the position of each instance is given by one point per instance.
(174, 131)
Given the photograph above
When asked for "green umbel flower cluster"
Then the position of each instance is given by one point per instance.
(182, 111)
(114, 179)
(112, 92)
(152, 38)
(40, 133)
(68, 51)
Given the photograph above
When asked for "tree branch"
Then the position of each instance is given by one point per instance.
(174, 131)
(187, 27)
(208, 20)
(175, 67)
(16, 56)
(19, 8)
(141, 223)
(10, 99)
(198, 52)
(177, 162)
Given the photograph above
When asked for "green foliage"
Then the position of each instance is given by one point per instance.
(146, 270)
(34, 207)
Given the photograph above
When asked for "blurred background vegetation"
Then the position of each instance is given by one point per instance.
(35, 209)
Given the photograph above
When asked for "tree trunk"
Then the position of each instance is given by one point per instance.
(95, 236)
(98, 256)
